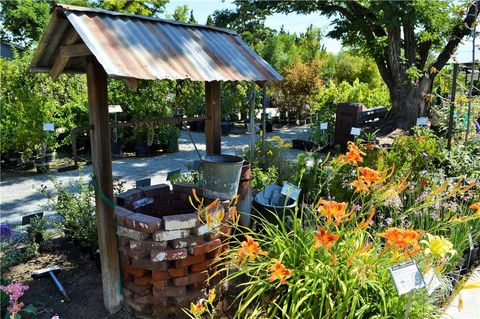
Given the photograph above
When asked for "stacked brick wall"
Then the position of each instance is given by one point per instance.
(166, 253)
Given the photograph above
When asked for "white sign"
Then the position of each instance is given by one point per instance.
(406, 277)
(48, 126)
(290, 191)
(355, 131)
(422, 121)
(432, 281)
(114, 109)
(470, 241)
(323, 126)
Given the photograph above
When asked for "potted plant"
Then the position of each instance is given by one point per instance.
(167, 137)
(144, 139)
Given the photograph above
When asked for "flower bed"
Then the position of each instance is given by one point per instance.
(166, 252)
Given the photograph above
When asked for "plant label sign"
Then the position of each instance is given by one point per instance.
(432, 281)
(355, 131)
(48, 126)
(422, 121)
(290, 191)
(323, 126)
(406, 277)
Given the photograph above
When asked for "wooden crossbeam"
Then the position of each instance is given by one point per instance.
(74, 50)
(61, 61)
(132, 83)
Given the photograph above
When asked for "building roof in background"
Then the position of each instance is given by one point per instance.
(146, 48)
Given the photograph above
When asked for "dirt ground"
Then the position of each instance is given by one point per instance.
(80, 277)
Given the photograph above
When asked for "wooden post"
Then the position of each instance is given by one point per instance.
(213, 130)
(102, 170)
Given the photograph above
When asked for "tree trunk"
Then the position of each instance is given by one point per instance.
(408, 102)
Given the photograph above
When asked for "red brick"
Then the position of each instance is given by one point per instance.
(143, 222)
(190, 260)
(180, 221)
(168, 254)
(132, 233)
(197, 286)
(139, 290)
(205, 248)
(149, 265)
(160, 275)
(214, 253)
(140, 307)
(177, 272)
(142, 281)
(182, 281)
(155, 190)
(186, 242)
(127, 293)
(121, 213)
(201, 266)
(137, 272)
(136, 254)
(197, 277)
(147, 244)
(128, 197)
(160, 284)
(169, 291)
(188, 298)
(123, 242)
(167, 235)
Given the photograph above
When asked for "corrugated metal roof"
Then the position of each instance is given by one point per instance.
(148, 48)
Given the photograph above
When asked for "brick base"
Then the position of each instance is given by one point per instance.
(166, 252)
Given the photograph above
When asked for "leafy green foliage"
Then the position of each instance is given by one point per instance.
(27, 100)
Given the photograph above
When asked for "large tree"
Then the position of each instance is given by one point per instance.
(410, 41)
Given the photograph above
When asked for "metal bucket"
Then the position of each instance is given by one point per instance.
(245, 197)
(221, 174)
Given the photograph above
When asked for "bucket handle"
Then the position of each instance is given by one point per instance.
(191, 139)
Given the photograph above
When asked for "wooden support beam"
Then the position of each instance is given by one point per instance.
(132, 83)
(213, 130)
(74, 50)
(102, 170)
(61, 61)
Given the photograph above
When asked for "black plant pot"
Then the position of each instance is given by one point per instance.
(269, 127)
(117, 149)
(141, 148)
(226, 127)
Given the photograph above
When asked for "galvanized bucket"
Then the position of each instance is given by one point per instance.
(221, 174)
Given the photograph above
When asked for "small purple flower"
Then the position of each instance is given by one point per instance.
(477, 127)
(56, 317)
(423, 173)
(425, 155)
(435, 215)
(5, 232)
(357, 207)
(389, 221)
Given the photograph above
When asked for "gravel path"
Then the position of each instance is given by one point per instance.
(19, 195)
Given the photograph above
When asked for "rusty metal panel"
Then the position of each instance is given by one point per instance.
(148, 48)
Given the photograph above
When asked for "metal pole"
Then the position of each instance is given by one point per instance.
(252, 123)
(470, 91)
(452, 106)
(264, 114)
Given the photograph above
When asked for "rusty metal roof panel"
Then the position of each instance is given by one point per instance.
(148, 48)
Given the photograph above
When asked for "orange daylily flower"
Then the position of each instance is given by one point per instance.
(476, 206)
(333, 209)
(367, 178)
(250, 248)
(354, 154)
(324, 238)
(402, 239)
(364, 224)
(279, 271)
(197, 309)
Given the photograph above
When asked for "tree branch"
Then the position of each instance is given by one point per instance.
(457, 35)
(409, 42)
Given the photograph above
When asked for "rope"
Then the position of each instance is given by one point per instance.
(191, 140)
(102, 195)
